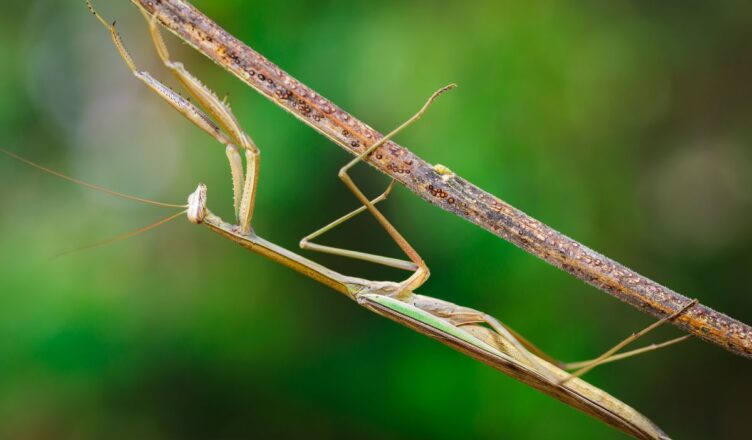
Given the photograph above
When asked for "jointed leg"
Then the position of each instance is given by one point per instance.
(306, 243)
(245, 192)
(416, 264)
(243, 186)
(610, 355)
(627, 354)
(217, 108)
(421, 273)
(182, 105)
(237, 174)
(245, 196)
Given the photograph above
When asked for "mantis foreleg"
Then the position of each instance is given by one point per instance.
(244, 193)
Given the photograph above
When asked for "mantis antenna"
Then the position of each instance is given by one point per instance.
(89, 185)
(102, 189)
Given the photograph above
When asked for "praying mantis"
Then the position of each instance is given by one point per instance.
(467, 330)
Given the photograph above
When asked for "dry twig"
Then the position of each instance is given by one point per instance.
(439, 186)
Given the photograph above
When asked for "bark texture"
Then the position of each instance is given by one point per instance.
(439, 186)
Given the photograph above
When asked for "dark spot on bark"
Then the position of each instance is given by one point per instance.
(283, 93)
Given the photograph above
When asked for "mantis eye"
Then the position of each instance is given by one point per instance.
(197, 205)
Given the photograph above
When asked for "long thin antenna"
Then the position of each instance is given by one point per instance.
(90, 185)
(122, 236)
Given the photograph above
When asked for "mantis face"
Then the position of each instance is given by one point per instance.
(196, 211)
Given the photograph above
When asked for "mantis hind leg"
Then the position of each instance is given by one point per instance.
(611, 354)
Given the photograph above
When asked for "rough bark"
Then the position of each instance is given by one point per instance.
(442, 188)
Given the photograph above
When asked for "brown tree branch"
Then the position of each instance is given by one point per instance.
(439, 186)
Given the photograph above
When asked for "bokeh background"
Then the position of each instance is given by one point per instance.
(624, 124)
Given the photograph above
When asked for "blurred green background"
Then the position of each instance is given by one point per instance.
(624, 124)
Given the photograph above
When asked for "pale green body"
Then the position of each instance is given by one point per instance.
(430, 320)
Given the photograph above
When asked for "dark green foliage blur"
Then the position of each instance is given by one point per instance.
(624, 124)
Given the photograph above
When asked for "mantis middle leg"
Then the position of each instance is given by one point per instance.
(416, 263)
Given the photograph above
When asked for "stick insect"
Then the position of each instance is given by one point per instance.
(469, 331)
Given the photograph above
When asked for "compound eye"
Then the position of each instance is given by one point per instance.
(197, 205)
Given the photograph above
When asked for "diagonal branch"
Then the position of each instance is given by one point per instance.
(439, 186)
